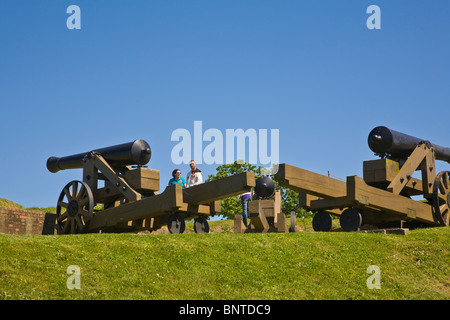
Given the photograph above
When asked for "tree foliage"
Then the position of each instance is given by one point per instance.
(232, 205)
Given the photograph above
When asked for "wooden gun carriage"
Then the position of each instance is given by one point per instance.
(384, 196)
(129, 195)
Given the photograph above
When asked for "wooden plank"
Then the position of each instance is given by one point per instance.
(143, 179)
(381, 172)
(366, 196)
(219, 189)
(258, 218)
(408, 168)
(277, 206)
(304, 201)
(170, 200)
(90, 176)
(118, 182)
(108, 193)
(330, 204)
(428, 168)
(401, 231)
(266, 206)
(192, 209)
(309, 182)
(215, 206)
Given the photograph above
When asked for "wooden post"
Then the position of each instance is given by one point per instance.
(239, 226)
(281, 223)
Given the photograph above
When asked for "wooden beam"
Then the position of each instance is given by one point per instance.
(216, 206)
(381, 172)
(330, 204)
(309, 182)
(364, 195)
(305, 200)
(168, 201)
(143, 179)
(90, 176)
(195, 210)
(118, 182)
(428, 168)
(219, 189)
(409, 167)
(257, 216)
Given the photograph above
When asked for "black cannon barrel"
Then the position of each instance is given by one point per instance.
(383, 140)
(137, 152)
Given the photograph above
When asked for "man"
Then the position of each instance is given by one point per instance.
(194, 177)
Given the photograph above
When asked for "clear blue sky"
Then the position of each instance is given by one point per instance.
(141, 69)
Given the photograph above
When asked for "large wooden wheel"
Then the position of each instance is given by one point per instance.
(75, 208)
(441, 198)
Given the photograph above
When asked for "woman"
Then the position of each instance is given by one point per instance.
(177, 179)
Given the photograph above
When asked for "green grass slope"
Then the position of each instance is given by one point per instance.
(302, 265)
(9, 204)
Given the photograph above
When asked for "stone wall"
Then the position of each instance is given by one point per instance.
(26, 222)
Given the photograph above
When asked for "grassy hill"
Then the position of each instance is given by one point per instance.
(9, 204)
(223, 265)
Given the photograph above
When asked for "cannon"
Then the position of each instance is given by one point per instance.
(384, 196)
(137, 152)
(393, 144)
(265, 210)
(119, 194)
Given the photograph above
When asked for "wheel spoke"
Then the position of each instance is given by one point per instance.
(442, 188)
(446, 218)
(66, 226)
(445, 179)
(74, 189)
(79, 223)
(442, 197)
(84, 213)
(68, 194)
(81, 194)
(63, 204)
(62, 217)
(83, 202)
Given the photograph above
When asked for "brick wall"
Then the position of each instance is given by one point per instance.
(21, 221)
